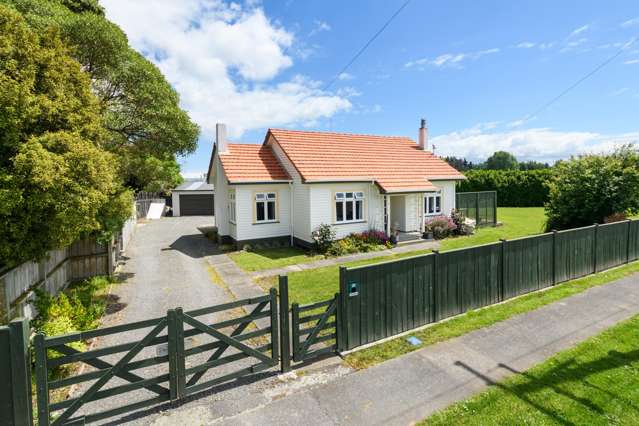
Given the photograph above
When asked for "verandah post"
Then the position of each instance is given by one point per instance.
(285, 336)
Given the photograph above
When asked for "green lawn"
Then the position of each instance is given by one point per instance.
(595, 383)
(485, 317)
(259, 260)
(322, 283)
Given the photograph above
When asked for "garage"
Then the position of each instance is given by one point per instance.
(193, 199)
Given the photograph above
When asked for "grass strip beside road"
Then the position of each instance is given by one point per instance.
(594, 383)
(474, 320)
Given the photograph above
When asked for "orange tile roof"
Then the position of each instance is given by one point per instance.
(396, 164)
(251, 163)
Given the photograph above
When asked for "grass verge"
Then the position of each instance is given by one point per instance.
(596, 382)
(485, 317)
(259, 260)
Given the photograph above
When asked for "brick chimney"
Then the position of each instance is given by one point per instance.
(220, 138)
(423, 135)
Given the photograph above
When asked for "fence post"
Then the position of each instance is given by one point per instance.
(554, 256)
(341, 322)
(275, 327)
(285, 336)
(42, 379)
(435, 286)
(594, 249)
(629, 221)
(477, 208)
(495, 209)
(175, 334)
(295, 314)
(15, 374)
(503, 269)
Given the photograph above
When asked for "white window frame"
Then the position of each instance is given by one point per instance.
(431, 198)
(353, 198)
(266, 198)
(232, 207)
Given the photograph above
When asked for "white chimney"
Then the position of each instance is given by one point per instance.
(220, 138)
(423, 136)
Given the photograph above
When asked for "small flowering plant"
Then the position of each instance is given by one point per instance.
(323, 235)
(441, 226)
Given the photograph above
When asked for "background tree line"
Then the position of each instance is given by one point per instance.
(84, 122)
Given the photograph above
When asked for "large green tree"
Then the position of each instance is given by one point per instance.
(56, 180)
(139, 108)
(501, 160)
(592, 188)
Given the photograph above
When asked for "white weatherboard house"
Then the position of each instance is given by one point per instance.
(281, 190)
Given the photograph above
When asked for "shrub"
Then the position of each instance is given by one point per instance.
(441, 227)
(462, 227)
(359, 243)
(515, 188)
(323, 236)
(590, 188)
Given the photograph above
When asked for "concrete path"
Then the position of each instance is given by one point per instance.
(428, 245)
(409, 388)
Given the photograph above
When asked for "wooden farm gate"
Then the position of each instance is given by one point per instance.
(154, 361)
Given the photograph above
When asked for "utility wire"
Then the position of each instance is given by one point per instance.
(578, 82)
(368, 43)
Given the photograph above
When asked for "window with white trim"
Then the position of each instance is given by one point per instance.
(349, 207)
(232, 205)
(433, 203)
(265, 207)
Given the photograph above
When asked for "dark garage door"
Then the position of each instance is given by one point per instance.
(196, 205)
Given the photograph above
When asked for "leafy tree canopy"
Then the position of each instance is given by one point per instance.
(501, 160)
(56, 181)
(140, 109)
(591, 188)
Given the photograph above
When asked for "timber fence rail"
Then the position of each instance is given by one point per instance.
(479, 206)
(83, 259)
(381, 300)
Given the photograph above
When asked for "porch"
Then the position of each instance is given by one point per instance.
(405, 214)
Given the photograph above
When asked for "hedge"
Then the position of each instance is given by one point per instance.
(515, 188)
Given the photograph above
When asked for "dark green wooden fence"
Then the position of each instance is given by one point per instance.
(384, 299)
(15, 374)
(480, 206)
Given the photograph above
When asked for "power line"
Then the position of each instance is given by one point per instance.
(368, 43)
(578, 82)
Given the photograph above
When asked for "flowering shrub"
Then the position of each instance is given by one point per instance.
(441, 226)
(463, 225)
(323, 236)
(359, 243)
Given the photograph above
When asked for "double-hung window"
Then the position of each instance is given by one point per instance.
(433, 203)
(265, 207)
(232, 205)
(349, 207)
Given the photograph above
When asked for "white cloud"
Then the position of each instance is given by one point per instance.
(578, 31)
(632, 61)
(223, 58)
(345, 76)
(630, 22)
(319, 27)
(539, 144)
(620, 91)
(452, 60)
(526, 45)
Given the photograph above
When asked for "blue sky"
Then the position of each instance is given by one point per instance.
(473, 69)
